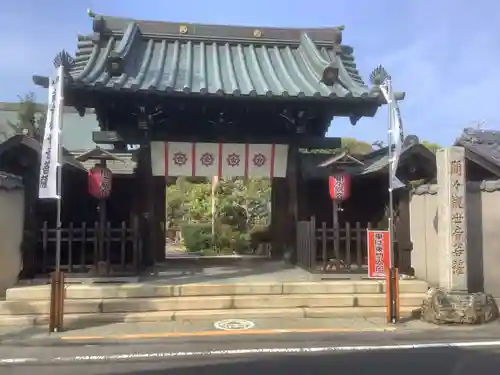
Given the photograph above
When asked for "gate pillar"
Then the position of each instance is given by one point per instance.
(284, 210)
(404, 245)
(279, 216)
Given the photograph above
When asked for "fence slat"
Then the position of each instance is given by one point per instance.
(324, 255)
(96, 244)
(301, 243)
(135, 248)
(123, 244)
(348, 244)
(45, 240)
(70, 246)
(313, 243)
(107, 241)
(359, 253)
(336, 234)
(83, 247)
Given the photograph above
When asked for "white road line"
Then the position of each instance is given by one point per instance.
(235, 352)
(11, 361)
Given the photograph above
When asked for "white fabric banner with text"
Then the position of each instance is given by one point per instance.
(49, 160)
(397, 133)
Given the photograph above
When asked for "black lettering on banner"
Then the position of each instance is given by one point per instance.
(45, 170)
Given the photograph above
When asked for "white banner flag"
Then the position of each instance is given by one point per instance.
(397, 135)
(49, 160)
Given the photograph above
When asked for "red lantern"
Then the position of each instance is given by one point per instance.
(340, 187)
(100, 182)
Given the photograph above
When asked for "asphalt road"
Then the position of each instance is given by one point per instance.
(364, 353)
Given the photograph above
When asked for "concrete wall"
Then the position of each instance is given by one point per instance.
(483, 226)
(11, 233)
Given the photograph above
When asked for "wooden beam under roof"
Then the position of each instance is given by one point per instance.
(132, 137)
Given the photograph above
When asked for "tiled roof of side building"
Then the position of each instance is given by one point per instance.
(77, 130)
(484, 143)
(9, 181)
(205, 59)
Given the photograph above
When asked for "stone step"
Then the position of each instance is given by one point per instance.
(229, 302)
(75, 321)
(151, 290)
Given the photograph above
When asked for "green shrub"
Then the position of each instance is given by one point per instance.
(197, 236)
(228, 240)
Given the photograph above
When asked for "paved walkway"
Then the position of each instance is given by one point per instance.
(207, 328)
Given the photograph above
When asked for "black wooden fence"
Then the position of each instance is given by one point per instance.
(332, 249)
(91, 249)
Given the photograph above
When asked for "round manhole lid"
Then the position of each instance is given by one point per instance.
(234, 324)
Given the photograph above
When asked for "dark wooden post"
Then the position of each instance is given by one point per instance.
(101, 207)
(57, 294)
(293, 208)
(146, 181)
(404, 246)
(152, 222)
(279, 210)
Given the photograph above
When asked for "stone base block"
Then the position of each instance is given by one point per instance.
(446, 307)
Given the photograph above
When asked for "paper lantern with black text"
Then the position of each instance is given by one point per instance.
(340, 187)
(100, 182)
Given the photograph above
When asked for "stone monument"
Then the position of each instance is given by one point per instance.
(452, 302)
(452, 219)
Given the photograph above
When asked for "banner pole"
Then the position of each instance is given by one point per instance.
(60, 108)
(391, 282)
(58, 284)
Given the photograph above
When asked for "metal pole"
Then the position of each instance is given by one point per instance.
(59, 171)
(391, 288)
(102, 255)
(390, 155)
(215, 182)
(58, 287)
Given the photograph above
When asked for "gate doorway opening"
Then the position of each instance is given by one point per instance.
(218, 217)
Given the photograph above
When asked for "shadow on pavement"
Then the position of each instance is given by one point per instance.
(42, 331)
(21, 333)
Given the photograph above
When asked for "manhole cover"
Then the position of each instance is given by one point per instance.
(234, 324)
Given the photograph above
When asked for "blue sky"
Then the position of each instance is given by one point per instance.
(445, 54)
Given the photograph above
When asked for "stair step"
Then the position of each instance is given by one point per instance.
(151, 290)
(73, 321)
(229, 302)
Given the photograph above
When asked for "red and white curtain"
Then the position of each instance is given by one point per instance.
(224, 160)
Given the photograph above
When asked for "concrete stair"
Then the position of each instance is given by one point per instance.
(148, 302)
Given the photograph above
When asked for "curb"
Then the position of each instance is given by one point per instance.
(252, 332)
(68, 340)
(85, 320)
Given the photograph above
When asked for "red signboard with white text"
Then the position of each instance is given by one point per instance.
(379, 257)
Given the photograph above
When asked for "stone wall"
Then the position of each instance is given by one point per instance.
(483, 228)
(11, 230)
